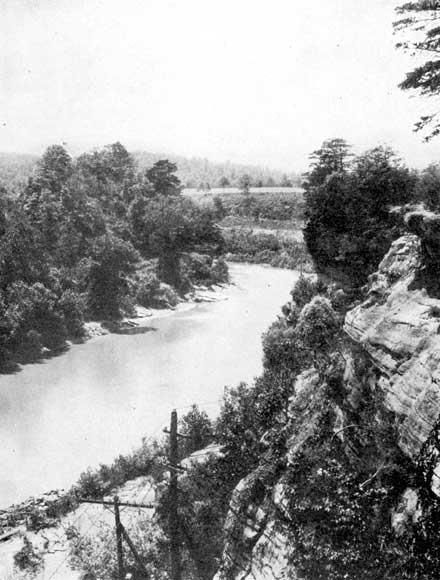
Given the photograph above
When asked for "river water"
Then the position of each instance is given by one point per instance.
(100, 398)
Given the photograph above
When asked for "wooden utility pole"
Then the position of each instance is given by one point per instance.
(173, 520)
(121, 532)
(118, 539)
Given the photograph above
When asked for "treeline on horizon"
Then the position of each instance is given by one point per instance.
(88, 239)
(16, 168)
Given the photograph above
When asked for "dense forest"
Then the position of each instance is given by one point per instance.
(88, 239)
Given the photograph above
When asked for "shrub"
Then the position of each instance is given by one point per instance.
(166, 297)
(146, 460)
(237, 430)
(219, 271)
(113, 260)
(197, 427)
(28, 559)
(90, 485)
(197, 268)
(34, 318)
(338, 526)
(72, 306)
(146, 287)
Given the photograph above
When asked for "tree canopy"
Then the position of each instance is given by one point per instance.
(90, 237)
(349, 226)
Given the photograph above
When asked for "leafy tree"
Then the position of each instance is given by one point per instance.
(305, 289)
(237, 431)
(204, 494)
(112, 260)
(162, 177)
(34, 316)
(382, 180)
(332, 157)
(167, 226)
(224, 182)
(244, 183)
(197, 427)
(428, 187)
(54, 169)
(219, 208)
(336, 524)
(318, 330)
(349, 227)
(23, 255)
(109, 177)
(284, 354)
(420, 21)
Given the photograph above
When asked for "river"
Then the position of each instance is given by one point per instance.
(100, 398)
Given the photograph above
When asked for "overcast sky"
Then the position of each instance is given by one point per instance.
(258, 81)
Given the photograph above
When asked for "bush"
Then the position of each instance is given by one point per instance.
(244, 245)
(143, 461)
(72, 306)
(91, 485)
(197, 427)
(203, 269)
(28, 559)
(113, 260)
(237, 431)
(166, 297)
(197, 268)
(34, 317)
(220, 271)
(146, 287)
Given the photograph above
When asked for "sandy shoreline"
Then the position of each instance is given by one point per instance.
(144, 316)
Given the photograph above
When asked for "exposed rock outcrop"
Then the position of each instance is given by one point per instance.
(398, 327)
(392, 359)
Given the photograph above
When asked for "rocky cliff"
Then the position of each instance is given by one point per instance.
(374, 412)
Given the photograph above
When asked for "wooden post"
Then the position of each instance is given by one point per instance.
(173, 522)
(118, 539)
(135, 553)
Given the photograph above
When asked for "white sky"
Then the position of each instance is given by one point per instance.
(258, 81)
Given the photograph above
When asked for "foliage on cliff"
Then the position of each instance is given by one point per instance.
(349, 227)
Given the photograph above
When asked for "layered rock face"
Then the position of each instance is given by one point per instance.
(398, 327)
(393, 358)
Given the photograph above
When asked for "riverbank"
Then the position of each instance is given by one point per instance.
(275, 247)
(138, 323)
(100, 398)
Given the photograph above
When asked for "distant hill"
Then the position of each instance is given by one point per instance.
(203, 174)
(16, 168)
